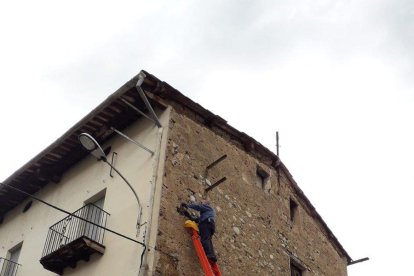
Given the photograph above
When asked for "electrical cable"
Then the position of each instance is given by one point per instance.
(78, 217)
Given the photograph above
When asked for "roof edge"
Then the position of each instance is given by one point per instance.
(159, 87)
(128, 85)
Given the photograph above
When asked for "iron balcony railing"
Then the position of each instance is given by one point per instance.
(8, 267)
(71, 228)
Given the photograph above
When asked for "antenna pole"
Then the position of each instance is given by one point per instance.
(277, 143)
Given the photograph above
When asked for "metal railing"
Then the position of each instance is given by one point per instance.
(71, 228)
(8, 267)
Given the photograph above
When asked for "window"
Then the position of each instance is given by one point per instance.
(293, 206)
(98, 199)
(94, 214)
(76, 237)
(15, 253)
(261, 177)
(295, 270)
(10, 267)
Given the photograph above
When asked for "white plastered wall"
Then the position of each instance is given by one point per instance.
(86, 179)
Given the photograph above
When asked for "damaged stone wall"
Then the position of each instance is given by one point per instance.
(255, 234)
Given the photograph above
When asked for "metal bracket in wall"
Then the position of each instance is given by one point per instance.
(216, 184)
(113, 159)
(358, 261)
(153, 117)
(216, 162)
(213, 164)
(132, 141)
(137, 110)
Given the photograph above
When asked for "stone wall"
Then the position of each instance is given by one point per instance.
(255, 234)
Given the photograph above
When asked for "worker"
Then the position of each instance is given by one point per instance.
(206, 225)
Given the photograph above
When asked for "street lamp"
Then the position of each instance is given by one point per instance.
(93, 147)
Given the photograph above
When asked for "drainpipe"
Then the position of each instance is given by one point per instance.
(141, 77)
(144, 266)
(154, 179)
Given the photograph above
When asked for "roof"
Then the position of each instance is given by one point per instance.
(50, 164)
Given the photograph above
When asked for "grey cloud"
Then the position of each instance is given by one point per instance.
(396, 19)
(235, 33)
(243, 34)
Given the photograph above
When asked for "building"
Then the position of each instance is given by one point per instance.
(169, 149)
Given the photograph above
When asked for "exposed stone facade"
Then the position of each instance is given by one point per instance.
(255, 233)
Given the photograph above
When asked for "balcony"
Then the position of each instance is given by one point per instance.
(8, 267)
(72, 239)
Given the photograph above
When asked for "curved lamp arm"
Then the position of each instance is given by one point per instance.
(132, 189)
(90, 144)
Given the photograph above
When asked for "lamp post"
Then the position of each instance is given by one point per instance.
(93, 147)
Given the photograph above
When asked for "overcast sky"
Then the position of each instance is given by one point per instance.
(333, 77)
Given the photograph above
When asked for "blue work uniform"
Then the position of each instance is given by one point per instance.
(207, 227)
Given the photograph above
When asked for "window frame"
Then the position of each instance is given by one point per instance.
(89, 230)
(10, 269)
(293, 210)
(295, 266)
(262, 177)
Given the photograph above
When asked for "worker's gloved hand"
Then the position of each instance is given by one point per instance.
(184, 205)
